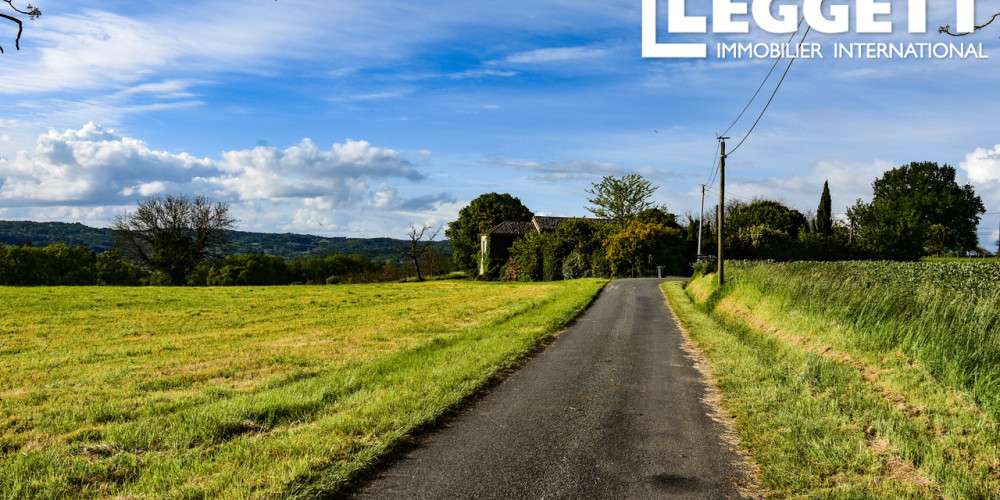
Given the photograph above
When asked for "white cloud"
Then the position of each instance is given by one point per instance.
(849, 181)
(385, 197)
(983, 165)
(310, 220)
(558, 54)
(561, 171)
(147, 189)
(373, 96)
(338, 176)
(96, 166)
(91, 165)
(481, 73)
(563, 167)
(89, 174)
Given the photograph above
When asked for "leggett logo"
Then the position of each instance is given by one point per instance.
(868, 15)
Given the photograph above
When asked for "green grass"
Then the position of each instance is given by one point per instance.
(944, 316)
(827, 406)
(245, 392)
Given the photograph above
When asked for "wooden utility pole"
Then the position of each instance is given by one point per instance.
(722, 205)
(701, 220)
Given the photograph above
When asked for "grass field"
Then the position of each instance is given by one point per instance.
(857, 380)
(245, 392)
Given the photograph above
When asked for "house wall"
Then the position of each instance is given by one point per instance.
(493, 248)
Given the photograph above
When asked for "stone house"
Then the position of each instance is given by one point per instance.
(496, 243)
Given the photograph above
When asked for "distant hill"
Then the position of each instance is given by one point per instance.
(287, 245)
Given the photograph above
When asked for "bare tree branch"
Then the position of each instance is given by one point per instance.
(418, 247)
(946, 29)
(32, 13)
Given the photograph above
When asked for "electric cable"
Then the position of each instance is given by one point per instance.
(766, 78)
(772, 96)
(715, 166)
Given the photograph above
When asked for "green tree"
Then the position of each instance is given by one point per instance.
(621, 198)
(581, 235)
(824, 215)
(658, 215)
(907, 202)
(762, 229)
(640, 247)
(938, 239)
(773, 215)
(527, 259)
(480, 216)
(111, 269)
(171, 235)
(435, 262)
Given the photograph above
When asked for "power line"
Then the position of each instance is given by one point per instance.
(715, 166)
(714, 191)
(772, 94)
(730, 196)
(766, 78)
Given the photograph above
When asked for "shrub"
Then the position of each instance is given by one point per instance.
(575, 266)
(599, 265)
(526, 261)
(705, 266)
(639, 248)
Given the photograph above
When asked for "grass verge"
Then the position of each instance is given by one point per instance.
(246, 392)
(824, 418)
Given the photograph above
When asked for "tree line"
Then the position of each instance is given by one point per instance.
(916, 210)
(60, 264)
(182, 240)
(285, 245)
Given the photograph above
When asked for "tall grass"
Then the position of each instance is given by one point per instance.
(847, 379)
(245, 392)
(943, 315)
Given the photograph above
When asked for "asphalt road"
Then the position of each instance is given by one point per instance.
(612, 409)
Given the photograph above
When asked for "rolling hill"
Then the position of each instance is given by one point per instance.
(287, 245)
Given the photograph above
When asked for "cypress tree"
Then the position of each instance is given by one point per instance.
(824, 217)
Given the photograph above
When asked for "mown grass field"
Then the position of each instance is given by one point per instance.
(245, 392)
(857, 380)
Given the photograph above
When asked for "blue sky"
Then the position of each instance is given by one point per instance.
(346, 118)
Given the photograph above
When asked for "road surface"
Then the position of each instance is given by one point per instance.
(612, 409)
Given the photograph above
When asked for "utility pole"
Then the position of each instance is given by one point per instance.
(722, 205)
(701, 219)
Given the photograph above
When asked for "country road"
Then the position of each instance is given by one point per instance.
(612, 409)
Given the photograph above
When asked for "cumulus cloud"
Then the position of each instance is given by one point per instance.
(849, 181)
(983, 165)
(97, 166)
(387, 198)
(335, 178)
(92, 165)
(147, 189)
